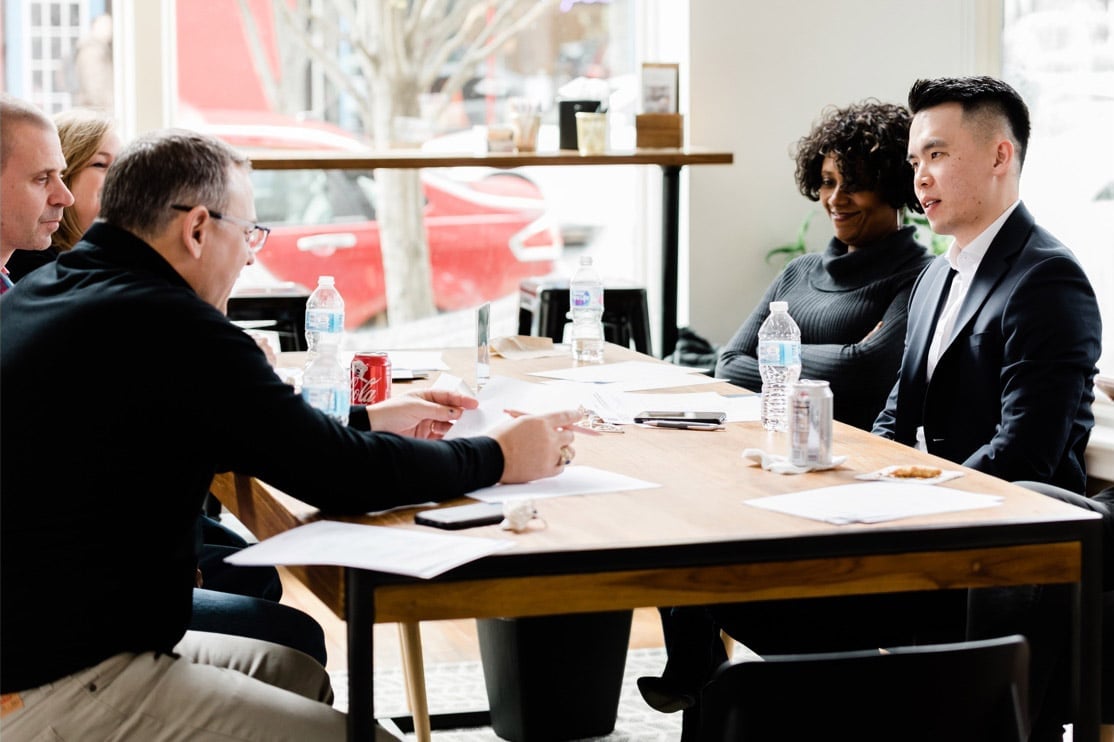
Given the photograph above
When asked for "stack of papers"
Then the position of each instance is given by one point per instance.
(631, 375)
(874, 502)
(395, 550)
(574, 480)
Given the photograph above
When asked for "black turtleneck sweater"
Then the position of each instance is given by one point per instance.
(156, 391)
(837, 297)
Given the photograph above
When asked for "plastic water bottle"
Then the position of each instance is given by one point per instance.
(324, 315)
(779, 362)
(586, 310)
(326, 383)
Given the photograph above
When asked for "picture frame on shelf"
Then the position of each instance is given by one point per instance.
(660, 87)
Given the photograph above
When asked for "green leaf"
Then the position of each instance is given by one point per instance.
(793, 249)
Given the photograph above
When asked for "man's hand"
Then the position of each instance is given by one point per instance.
(536, 446)
(423, 414)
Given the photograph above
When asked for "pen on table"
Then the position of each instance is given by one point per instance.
(680, 425)
(580, 430)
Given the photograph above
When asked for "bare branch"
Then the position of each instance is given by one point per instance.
(478, 50)
(499, 34)
(446, 38)
(346, 9)
(326, 59)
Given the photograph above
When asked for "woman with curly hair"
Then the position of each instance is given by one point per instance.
(849, 301)
(89, 144)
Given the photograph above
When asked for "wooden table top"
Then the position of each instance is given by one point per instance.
(700, 503)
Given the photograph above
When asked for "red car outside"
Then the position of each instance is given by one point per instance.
(484, 236)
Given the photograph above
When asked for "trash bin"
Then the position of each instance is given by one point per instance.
(554, 678)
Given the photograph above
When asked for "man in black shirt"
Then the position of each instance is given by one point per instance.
(166, 391)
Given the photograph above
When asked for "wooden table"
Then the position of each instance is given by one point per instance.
(693, 541)
(671, 160)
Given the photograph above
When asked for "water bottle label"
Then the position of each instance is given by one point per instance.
(324, 320)
(779, 353)
(581, 299)
(332, 401)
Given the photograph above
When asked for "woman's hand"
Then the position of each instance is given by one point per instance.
(428, 413)
(536, 446)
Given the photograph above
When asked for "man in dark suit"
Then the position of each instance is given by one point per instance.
(1004, 333)
(1004, 329)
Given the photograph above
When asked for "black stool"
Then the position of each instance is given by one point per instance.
(554, 678)
(284, 308)
(543, 306)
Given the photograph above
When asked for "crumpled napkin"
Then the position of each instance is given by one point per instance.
(781, 464)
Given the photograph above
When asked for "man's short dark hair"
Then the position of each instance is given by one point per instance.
(978, 96)
(171, 166)
(870, 142)
(15, 111)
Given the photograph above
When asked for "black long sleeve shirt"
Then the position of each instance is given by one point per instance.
(122, 394)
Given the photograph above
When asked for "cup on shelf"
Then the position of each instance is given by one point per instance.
(500, 138)
(591, 132)
(525, 127)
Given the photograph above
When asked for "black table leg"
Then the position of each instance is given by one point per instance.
(670, 254)
(359, 611)
(1087, 640)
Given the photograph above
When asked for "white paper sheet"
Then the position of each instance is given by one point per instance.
(418, 360)
(630, 375)
(574, 480)
(394, 550)
(503, 393)
(621, 407)
(873, 502)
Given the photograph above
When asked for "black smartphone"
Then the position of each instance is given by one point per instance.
(714, 418)
(462, 516)
(405, 374)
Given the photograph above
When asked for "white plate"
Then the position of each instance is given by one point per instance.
(886, 475)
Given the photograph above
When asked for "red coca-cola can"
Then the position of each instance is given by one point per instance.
(371, 377)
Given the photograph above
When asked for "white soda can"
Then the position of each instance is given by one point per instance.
(810, 423)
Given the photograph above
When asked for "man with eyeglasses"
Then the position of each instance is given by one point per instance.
(124, 341)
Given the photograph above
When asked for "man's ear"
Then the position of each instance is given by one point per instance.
(192, 233)
(1003, 154)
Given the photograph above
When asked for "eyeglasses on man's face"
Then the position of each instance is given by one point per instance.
(255, 236)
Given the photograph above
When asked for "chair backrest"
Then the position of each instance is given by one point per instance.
(974, 690)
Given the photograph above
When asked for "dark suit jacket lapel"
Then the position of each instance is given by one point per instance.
(922, 318)
(995, 263)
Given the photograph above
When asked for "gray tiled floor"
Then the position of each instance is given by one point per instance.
(460, 687)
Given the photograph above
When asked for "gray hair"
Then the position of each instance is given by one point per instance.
(16, 111)
(171, 166)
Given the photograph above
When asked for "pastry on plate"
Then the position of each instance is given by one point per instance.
(914, 472)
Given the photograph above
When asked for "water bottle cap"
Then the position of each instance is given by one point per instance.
(779, 306)
(325, 281)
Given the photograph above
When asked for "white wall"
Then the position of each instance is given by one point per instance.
(760, 73)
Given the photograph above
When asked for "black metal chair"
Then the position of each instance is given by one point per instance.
(281, 309)
(544, 304)
(965, 691)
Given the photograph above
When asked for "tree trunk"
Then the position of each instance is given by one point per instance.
(401, 213)
(400, 48)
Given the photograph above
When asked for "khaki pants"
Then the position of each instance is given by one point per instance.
(221, 688)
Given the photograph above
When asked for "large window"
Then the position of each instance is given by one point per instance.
(246, 80)
(1060, 56)
(204, 64)
(52, 51)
